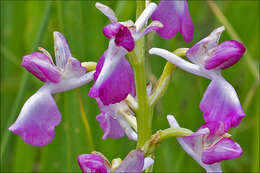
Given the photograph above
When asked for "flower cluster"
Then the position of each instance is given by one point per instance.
(114, 90)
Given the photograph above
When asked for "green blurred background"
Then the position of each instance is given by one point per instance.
(26, 25)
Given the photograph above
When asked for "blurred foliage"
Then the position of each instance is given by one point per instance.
(22, 23)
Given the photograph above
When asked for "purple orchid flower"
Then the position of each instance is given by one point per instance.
(175, 17)
(209, 145)
(220, 101)
(113, 123)
(96, 162)
(40, 114)
(114, 78)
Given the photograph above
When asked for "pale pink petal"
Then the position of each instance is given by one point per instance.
(37, 119)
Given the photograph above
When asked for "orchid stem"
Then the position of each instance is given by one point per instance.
(144, 111)
(151, 144)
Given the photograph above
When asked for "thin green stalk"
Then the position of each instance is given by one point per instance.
(144, 111)
(151, 144)
(85, 122)
(233, 34)
(22, 87)
(164, 80)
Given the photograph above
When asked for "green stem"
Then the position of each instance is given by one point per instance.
(22, 87)
(164, 80)
(173, 132)
(151, 144)
(144, 111)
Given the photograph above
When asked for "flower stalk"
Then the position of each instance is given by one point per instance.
(144, 111)
(161, 135)
(164, 80)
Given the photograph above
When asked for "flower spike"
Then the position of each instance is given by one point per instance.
(39, 115)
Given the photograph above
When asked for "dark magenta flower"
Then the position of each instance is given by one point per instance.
(209, 145)
(220, 101)
(96, 162)
(114, 77)
(175, 17)
(39, 115)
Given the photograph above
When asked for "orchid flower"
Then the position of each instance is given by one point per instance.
(209, 145)
(96, 162)
(113, 123)
(175, 17)
(220, 101)
(114, 79)
(117, 119)
(39, 115)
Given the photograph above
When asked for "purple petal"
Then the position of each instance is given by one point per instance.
(92, 163)
(133, 162)
(124, 38)
(62, 50)
(216, 128)
(42, 67)
(225, 149)
(118, 82)
(225, 55)
(37, 119)
(175, 17)
(111, 30)
(201, 50)
(220, 103)
(193, 145)
(110, 126)
(73, 68)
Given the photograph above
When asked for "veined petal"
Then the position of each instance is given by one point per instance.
(92, 163)
(37, 119)
(73, 69)
(221, 103)
(225, 55)
(42, 67)
(114, 78)
(175, 17)
(107, 12)
(110, 126)
(124, 38)
(62, 50)
(133, 162)
(225, 149)
(201, 50)
(193, 145)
